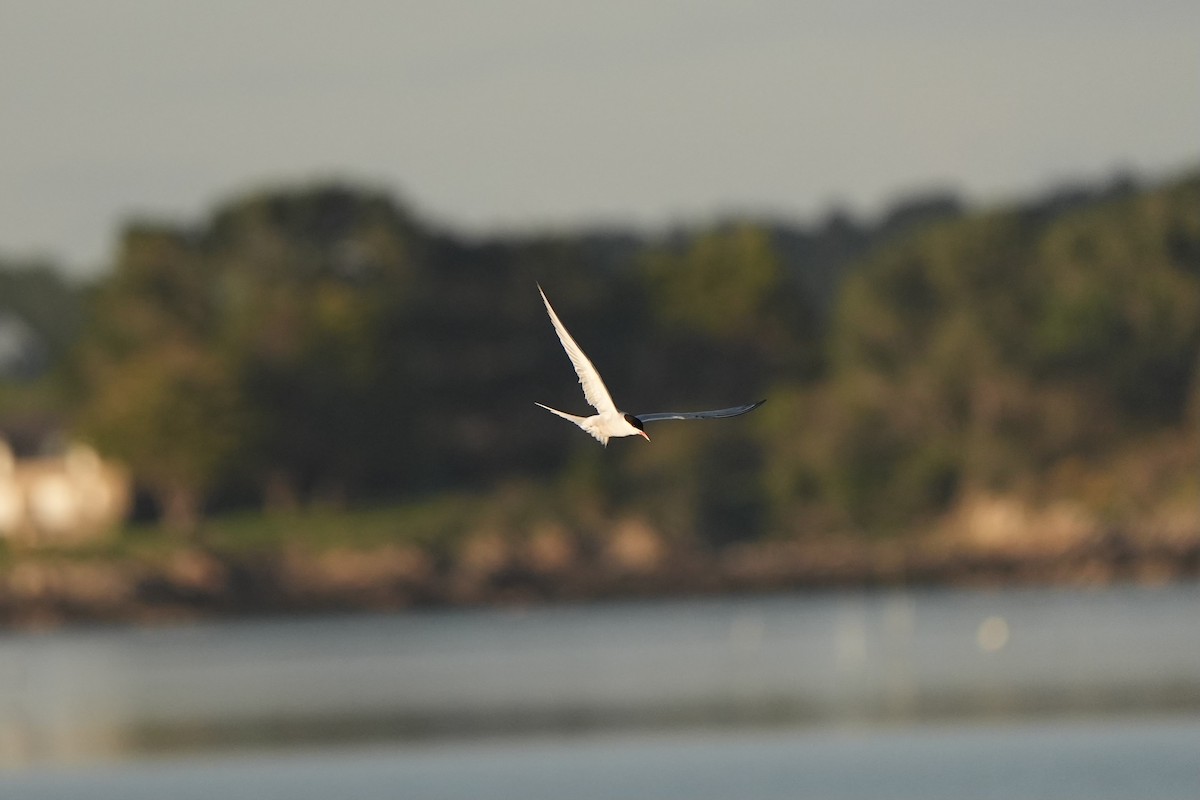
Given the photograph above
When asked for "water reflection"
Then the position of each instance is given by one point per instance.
(82, 694)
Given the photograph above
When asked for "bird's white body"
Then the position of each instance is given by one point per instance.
(608, 422)
(603, 426)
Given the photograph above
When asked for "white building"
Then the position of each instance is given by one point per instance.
(64, 499)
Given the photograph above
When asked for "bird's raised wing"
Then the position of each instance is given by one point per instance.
(719, 413)
(594, 390)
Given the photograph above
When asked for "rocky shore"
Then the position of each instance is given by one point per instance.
(41, 590)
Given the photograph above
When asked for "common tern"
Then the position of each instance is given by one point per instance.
(609, 422)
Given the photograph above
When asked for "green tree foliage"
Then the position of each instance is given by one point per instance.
(728, 291)
(324, 345)
(982, 353)
(158, 392)
(172, 412)
(38, 295)
(40, 318)
(310, 285)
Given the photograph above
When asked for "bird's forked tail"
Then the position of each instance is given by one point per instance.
(582, 422)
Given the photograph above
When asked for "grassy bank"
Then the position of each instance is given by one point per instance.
(462, 551)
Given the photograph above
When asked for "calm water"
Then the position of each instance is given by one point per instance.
(1133, 760)
(1012, 694)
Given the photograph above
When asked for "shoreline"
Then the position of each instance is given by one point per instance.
(39, 591)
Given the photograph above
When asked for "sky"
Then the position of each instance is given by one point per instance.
(525, 115)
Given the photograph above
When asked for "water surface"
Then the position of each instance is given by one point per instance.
(1016, 693)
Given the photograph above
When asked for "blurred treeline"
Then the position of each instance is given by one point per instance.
(326, 346)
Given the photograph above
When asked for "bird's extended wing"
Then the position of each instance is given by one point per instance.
(719, 413)
(594, 390)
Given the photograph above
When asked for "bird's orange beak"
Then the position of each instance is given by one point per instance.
(645, 435)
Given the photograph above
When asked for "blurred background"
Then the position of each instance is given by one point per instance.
(279, 517)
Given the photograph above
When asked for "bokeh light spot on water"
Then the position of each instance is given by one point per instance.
(992, 634)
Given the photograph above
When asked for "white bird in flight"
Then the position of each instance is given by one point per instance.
(610, 422)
